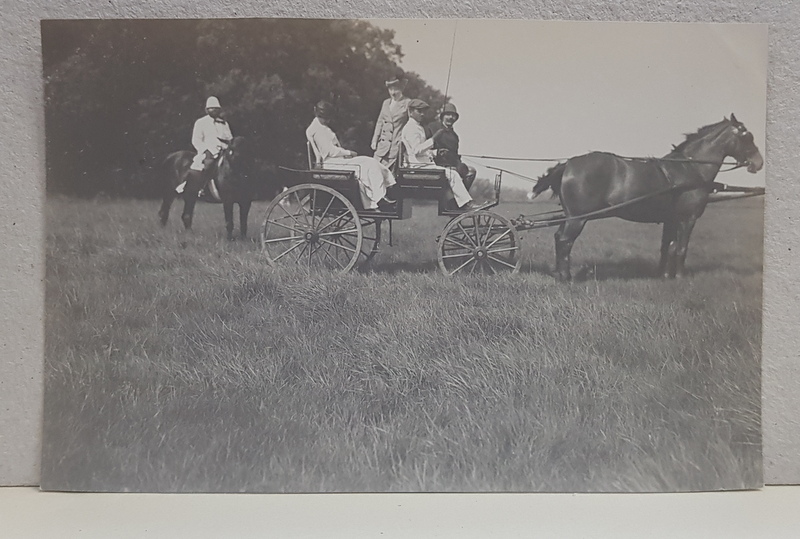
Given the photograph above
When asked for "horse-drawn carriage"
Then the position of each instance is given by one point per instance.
(319, 221)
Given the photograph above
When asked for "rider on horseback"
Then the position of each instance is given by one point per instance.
(210, 136)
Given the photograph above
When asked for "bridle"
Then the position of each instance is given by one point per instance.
(740, 132)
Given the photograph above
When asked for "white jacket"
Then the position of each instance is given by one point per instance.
(207, 132)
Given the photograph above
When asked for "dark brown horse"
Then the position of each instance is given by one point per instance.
(233, 180)
(672, 190)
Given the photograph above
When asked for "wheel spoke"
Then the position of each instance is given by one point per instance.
(333, 221)
(345, 238)
(326, 253)
(352, 250)
(503, 250)
(313, 205)
(292, 217)
(488, 232)
(459, 268)
(287, 238)
(458, 255)
(451, 240)
(328, 207)
(287, 251)
(339, 232)
(301, 253)
(498, 238)
(502, 262)
(467, 235)
(300, 204)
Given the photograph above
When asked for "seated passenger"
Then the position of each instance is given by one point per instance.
(420, 152)
(446, 145)
(373, 177)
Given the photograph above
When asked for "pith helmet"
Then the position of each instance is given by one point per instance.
(449, 108)
(212, 103)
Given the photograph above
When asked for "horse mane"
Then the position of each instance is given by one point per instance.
(698, 135)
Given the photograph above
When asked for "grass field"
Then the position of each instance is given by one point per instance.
(183, 362)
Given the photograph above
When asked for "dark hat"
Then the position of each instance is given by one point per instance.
(324, 109)
(449, 108)
(397, 78)
(418, 104)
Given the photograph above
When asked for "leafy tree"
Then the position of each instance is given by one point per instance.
(120, 95)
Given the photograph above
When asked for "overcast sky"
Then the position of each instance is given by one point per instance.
(557, 89)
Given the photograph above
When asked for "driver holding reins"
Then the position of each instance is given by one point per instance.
(210, 136)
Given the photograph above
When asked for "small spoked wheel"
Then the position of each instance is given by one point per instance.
(312, 226)
(479, 242)
(371, 231)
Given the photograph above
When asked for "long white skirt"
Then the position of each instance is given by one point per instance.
(373, 177)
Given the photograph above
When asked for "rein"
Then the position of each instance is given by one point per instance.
(732, 165)
(626, 158)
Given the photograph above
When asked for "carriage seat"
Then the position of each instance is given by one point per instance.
(419, 182)
(329, 177)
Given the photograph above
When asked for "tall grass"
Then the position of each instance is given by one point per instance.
(182, 362)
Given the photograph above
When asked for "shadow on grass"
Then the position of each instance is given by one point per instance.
(418, 266)
(633, 269)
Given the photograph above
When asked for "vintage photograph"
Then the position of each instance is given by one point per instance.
(298, 255)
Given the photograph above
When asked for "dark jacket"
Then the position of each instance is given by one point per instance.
(447, 140)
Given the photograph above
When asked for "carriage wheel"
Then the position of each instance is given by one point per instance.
(371, 230)
(479, 242)
(312, 226)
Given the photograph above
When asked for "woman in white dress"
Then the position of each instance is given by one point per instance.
(373, 177)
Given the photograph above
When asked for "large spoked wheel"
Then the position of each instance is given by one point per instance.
(371, 230)
(479, 242)
(312, 226)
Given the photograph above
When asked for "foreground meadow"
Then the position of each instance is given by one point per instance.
(183, 362)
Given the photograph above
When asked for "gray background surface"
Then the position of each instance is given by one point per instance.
(21, 222)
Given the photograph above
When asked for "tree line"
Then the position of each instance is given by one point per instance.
(122, 94)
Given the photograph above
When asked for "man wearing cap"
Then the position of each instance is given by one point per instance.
(419, 149)
(211, 135)
(392, 118)
(373, 177)
(446, 144)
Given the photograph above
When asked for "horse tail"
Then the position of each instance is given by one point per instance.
(550, 180)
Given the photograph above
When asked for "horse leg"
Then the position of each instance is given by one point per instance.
(227, 206)
(166, 204)
(682, 245)
(565, 237)
(667, 248)
(194, 181)
(244, 211)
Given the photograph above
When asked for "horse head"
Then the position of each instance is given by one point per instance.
(232, 167)
(235, 152)
(744, 148)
